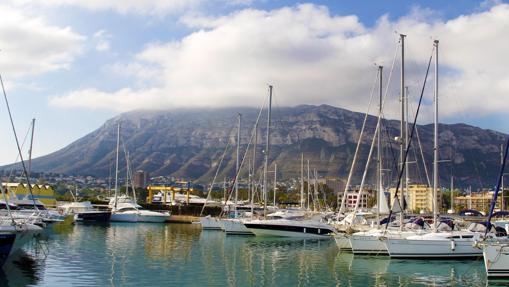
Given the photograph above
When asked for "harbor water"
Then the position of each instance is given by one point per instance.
(127, 254)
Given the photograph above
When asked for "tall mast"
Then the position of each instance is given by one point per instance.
(309, 184)
(116, 165)
(302, 181)
(502, 204)
(379, 151)
(316, 204)
(435, 144)
(237, 165)
(407, 178)
(275, 182)
(402, 123)
(253, 186)
(267, 146)
(30, 151)
(452, 193)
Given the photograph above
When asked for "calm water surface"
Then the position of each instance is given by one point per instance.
(126, 254)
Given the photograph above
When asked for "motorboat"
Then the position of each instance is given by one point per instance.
(126, 210)
(84, 211)
(303, 228)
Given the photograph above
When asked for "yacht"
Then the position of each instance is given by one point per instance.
(290, 228)
(452, 244)
(84, 211)
(126, 210)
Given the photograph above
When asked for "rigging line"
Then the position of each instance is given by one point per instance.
(214, 179)
(391, 148)
(354, 160)
(499, 183)
(230, 192)
(410, 139)
(421, 149)
(17, 144)
(374, 135)
(22, 146)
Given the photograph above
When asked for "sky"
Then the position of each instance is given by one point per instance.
(74, 64)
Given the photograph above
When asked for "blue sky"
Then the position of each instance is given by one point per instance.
(74, 64)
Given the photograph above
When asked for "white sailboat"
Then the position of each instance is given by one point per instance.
(123, 208)
(436, 244)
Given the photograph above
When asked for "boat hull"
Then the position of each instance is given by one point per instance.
(496, 260)
(368, 245)
(124, 217)
(6, 242)
(295, 231)
(94, 216)
(235, 227)
(343, 242)
(153, 218)
(432, 249)
(210, 223)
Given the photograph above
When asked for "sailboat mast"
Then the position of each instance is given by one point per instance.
(253, 186)
(379, 151)
(275, 182)
(237, 165)
(116, 165)
(402, 123)
(309, 184)
(502, 203)
(302, 181)
(452, 193)
(266, 166)
(407, 178)
(31, 147)
(435, 144)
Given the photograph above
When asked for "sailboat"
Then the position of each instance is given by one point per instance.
(436, 244)
(283, 227)
(496, 250)
(125, 209)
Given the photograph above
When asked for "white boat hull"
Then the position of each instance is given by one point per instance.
(124, 217)
(416, 248)
(368, 244)
(210, 223)
(496, 259)
(343, 242)
(235, 227)
(290, 228)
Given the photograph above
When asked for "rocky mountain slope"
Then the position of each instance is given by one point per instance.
(189, 142)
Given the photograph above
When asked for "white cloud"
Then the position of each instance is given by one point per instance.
(313, 57)
(30, 46)
(143, 7)
(102, 43)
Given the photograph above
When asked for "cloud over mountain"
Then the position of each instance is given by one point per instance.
(313, 57)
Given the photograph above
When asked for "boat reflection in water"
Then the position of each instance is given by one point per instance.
(123, 254)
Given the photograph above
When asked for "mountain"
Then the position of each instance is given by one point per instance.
(189, 142)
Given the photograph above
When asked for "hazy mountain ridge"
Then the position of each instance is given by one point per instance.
(188, 143)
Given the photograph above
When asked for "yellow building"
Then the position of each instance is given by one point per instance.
(43, 193)
(418, 197)
(479, 201)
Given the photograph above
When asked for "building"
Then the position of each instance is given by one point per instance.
(43, 193)
(140, 179)
(419, 197)
(351, 199)
(479, 201)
